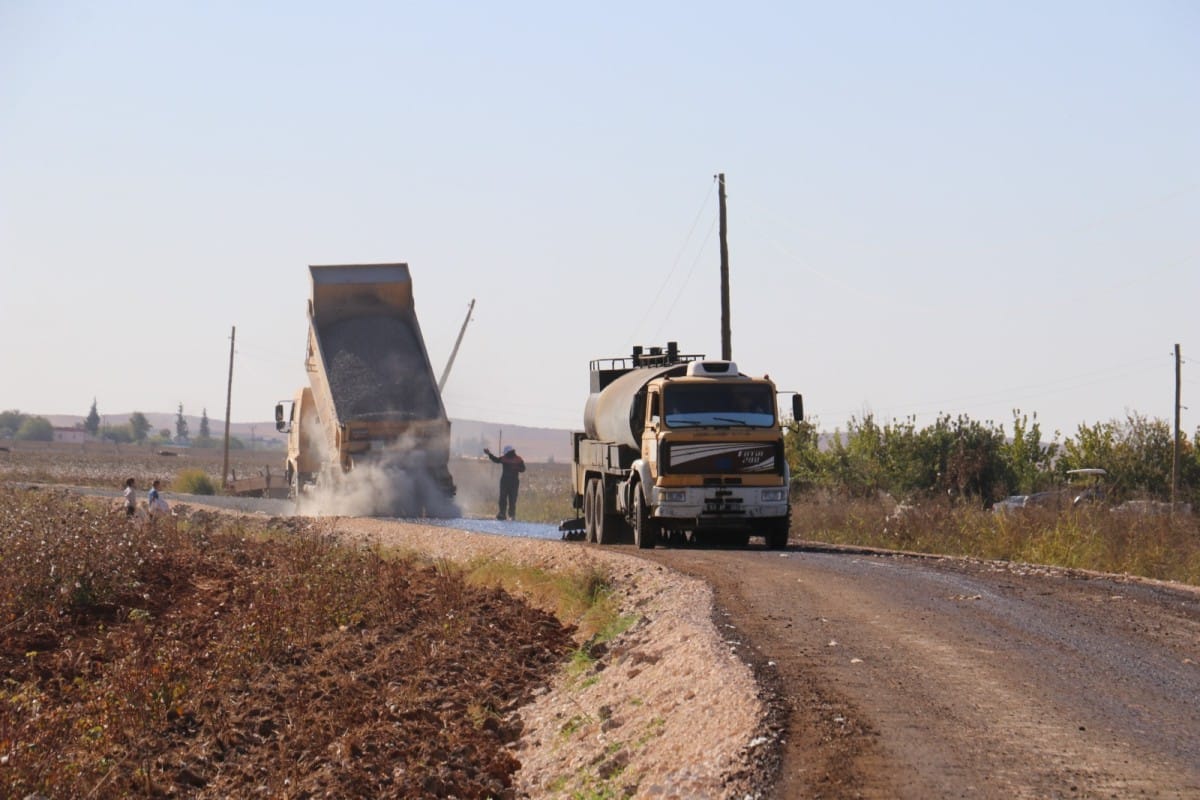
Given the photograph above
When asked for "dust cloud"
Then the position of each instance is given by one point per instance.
(377, 370)
(401, 480)
(478, 482)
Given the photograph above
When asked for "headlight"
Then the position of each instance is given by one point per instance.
(672, 495)
(774, 495)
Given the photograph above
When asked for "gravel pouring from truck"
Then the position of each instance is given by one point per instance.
(678, 448)
(372, 399)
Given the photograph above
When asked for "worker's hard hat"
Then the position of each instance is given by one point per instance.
(508, 448)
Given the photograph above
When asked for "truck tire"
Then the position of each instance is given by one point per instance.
(589, 509)
(777, 534)
(606, 531)
(645, 527)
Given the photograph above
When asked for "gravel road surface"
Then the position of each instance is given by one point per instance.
(911, 677)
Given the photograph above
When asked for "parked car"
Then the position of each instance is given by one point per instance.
(1087, 485)
(1053, 499)
(1010, 503)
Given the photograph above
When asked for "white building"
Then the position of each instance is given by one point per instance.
(71, 435)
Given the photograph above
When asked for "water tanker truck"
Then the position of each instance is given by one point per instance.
(679, 448)
(372, 399)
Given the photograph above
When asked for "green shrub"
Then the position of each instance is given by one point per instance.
(193, 481)
(35, 429)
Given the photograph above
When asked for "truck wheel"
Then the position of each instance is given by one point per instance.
(589, 509)
(645, 529)
(606, 531)
(777, 534)
(604, 534)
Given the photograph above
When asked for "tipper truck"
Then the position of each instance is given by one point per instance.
(676, 447)
(372, 399)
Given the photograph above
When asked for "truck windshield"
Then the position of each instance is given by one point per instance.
(719, 404)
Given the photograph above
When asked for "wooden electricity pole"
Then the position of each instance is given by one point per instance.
(228, 404)
(1175, 449)
(726, 335)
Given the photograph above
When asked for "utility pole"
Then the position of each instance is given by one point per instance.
(228, 405)
(726, 336)
(1175, 449)
(457, 342)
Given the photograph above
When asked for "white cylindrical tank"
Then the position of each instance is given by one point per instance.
(617, 412)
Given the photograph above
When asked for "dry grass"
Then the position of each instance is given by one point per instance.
(582, 598)
(1162, 546)
(108, 464)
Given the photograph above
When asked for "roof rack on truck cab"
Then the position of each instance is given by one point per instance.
(606, 370)
(645, 357)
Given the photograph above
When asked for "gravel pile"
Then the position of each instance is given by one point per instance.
(377, 366)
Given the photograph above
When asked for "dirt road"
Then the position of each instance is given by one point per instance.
(910, 677)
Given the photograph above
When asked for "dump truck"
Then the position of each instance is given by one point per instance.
(372, 399)
(679, 448)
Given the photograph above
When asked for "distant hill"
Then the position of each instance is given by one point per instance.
(467, 437)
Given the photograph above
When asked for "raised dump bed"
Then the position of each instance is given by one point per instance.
(372, 393)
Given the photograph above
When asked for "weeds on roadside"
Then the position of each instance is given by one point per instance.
(1162, 547)
(193, 481)
(578, 598)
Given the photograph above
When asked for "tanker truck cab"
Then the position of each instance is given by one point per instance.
(709, 462)
(712, 465)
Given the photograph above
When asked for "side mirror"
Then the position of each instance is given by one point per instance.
(798, 407)
(281, 424)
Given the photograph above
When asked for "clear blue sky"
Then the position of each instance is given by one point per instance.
(958, 207)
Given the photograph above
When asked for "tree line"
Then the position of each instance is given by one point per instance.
(138, 429)
(981, 462)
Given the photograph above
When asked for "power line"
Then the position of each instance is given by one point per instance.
(686, 281)
(674, 264)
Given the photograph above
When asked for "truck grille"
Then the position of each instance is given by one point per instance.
(723, 458)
